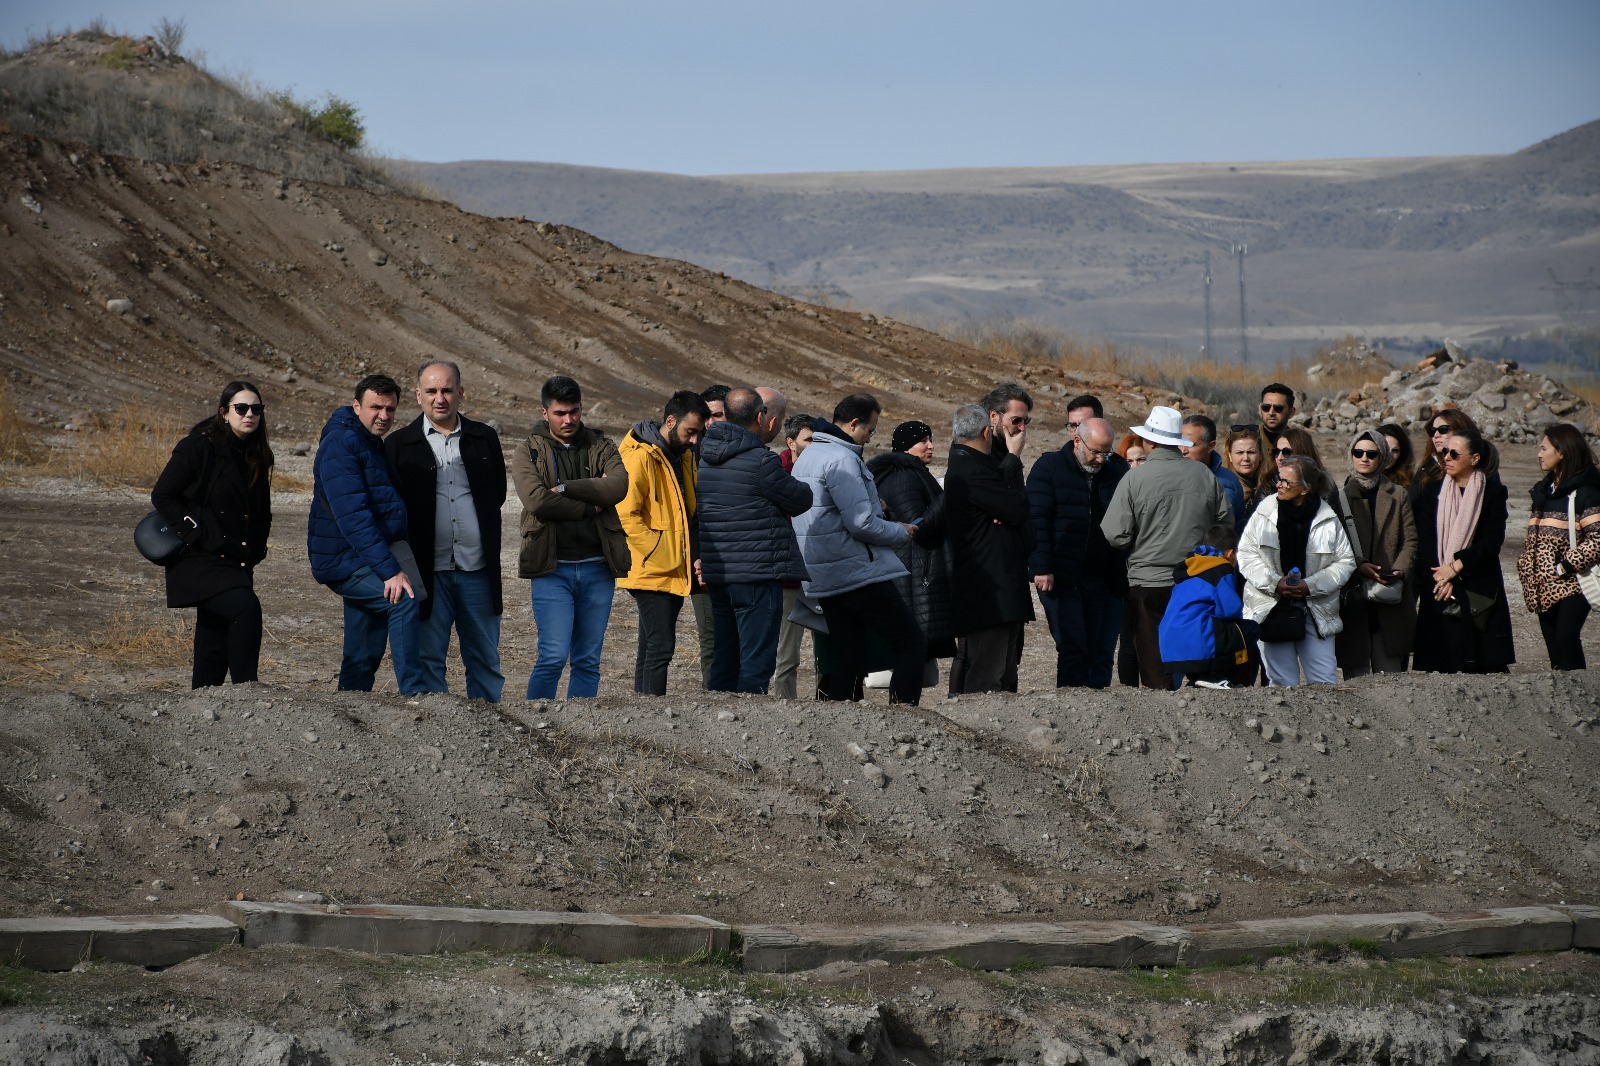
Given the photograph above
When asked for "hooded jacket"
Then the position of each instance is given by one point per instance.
(536, 471)
(746, 501)
(846, 542)
(1330, 562)
(1548, 545)
(1160, 511)
(356, 512)
(412, 469)
(658, 513)
(1206, 589)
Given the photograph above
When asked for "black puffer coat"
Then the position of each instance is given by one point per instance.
(1067, 506)
(745, 499)
(1458, 646)
(234, 517)
(909, 492)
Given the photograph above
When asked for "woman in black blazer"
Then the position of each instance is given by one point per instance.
(216, 491)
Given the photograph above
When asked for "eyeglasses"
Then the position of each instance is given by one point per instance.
(1442, 427)
(1363, 453)
(1451, 454)
(1285, 452)
(242, 409)
(1096, 453)
(1285, 483)
(1246, 427)
(1272, 409)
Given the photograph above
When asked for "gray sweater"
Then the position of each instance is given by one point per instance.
(1159, 513)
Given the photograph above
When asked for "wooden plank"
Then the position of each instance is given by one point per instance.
(773, 949)
(428, 930)
(1585, 925)
(1402, 935)
(151, 940)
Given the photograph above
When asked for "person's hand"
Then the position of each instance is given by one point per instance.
(699, 573)
(911, 530)
(1443, 591)
(1443, 575)
(1044, 582)
(1372, 571)
(1015, 441)
(1291, 592)
(396, 585)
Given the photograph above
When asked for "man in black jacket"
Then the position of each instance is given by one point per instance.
(1082, 582)
(986, 511)
(451, 474)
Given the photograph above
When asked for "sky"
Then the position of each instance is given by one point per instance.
(757, 86)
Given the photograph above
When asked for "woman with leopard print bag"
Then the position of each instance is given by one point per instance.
(1558, 565)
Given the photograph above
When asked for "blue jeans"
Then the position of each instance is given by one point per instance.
(464, 598)
(745, 616)
(371, 622)
(1085, 620)
(571, 609)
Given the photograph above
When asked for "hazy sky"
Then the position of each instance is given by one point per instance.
(744, 86)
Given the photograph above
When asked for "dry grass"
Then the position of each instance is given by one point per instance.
(130, 639)
(129, 447)
(16, 435)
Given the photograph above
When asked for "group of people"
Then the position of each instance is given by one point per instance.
(1202, 562)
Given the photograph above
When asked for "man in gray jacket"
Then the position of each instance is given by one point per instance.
(1159, 512)
(849, 552)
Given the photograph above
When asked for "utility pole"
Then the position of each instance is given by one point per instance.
(1244, 319)
(1206, 349)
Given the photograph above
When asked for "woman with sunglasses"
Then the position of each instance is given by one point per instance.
(1286, 442)
(1463, 620)
(1295, 554)
(1241, 453)
(1430, 471)
(1549, 564)
(1402, 457)
(216, 489)
(1377, 636)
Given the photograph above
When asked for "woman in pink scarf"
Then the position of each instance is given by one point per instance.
(1463, 620)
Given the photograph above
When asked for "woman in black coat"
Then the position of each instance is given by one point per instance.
(911, 494)
(216, 490)
(1463, 620)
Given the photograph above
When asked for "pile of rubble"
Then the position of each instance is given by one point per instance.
(1350, 360)
(1509, 405)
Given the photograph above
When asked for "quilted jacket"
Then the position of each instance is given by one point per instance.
(352, 479)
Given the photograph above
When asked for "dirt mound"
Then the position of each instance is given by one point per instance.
(1349, 360)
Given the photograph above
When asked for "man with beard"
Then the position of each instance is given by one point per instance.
(658, 514)
(1082, 583)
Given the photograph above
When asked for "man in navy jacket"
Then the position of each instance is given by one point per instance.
(451, 473)
(356, 518)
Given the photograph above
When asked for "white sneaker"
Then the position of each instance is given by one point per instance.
(1212, 684)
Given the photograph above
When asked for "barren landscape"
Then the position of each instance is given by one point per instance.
(122, 792)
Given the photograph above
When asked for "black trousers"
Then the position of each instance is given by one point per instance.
(658, 639)
(877, 609)
(227, 638)
(1145, 608)
(1562, 626)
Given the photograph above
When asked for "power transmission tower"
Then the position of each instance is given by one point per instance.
(1239, 251)
(1206, 349)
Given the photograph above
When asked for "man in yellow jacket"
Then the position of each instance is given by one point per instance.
(658, 516)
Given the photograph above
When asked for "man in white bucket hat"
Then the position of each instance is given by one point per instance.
(1159, 512)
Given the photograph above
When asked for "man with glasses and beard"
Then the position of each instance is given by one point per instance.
(1277, 407)
(1082, 583)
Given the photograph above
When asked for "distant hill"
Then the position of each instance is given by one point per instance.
(1398, 248)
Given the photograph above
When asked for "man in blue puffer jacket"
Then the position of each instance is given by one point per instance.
(849, 551)
(356, 517)
(745, 500)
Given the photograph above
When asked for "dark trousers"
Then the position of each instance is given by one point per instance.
(1145, 608)
(1562, 626)
(746, 617)
(879, 609)
(227, 638)
(992, 655)
(658, 639)
(1079, 616)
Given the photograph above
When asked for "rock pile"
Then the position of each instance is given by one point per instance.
(1510, 405)
(1349, 361)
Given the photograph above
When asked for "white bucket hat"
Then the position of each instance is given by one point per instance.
(1164, 426)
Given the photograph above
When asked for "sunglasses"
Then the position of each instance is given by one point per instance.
(1363, 453)
(1442, 427)
(1021, 420)
(1272, 409)
(1285, 452)
(1246, 427)
(1452, 454)
(1283, 483)
(242, 409)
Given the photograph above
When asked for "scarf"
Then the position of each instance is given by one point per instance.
(1458, 514)
(1294, 531)
(1376, 439)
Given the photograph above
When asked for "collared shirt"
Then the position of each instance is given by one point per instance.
(457, 541)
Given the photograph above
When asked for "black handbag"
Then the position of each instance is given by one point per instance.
(1285, 623)
(159, 541)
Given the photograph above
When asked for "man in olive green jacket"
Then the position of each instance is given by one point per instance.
(570, 479)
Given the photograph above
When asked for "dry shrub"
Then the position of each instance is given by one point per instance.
(133, 638)
(129, 447)
(16, 438)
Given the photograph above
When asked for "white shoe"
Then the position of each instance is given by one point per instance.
(1212, 684)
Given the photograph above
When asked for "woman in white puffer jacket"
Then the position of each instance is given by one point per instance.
(1295, 527)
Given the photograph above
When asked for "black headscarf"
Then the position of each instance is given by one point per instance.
(907, 435)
